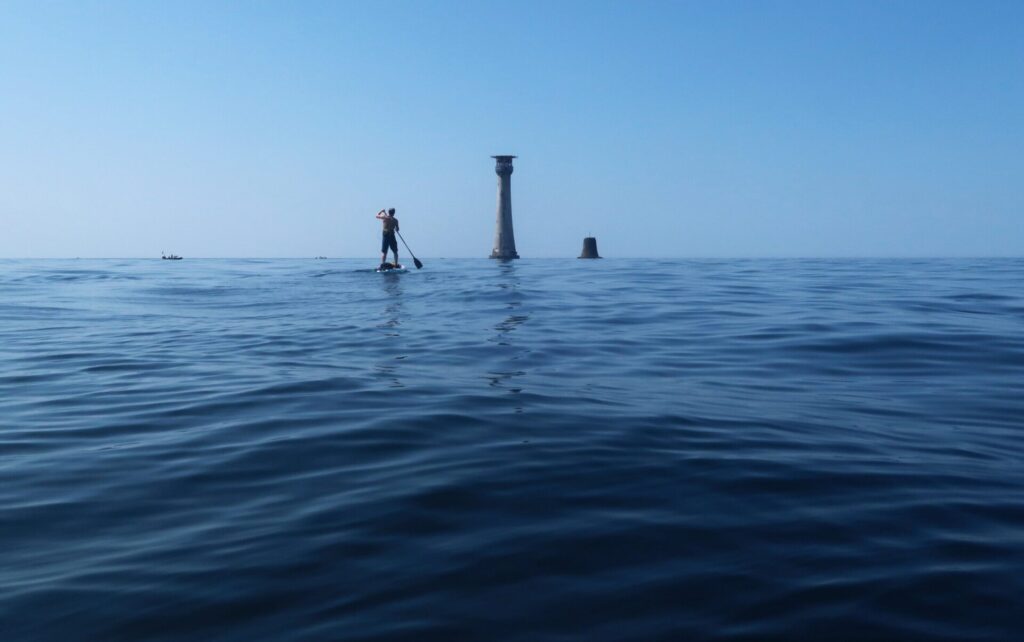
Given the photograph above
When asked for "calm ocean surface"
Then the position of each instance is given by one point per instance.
(538, 450)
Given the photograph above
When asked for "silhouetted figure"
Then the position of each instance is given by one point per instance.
(388, 240)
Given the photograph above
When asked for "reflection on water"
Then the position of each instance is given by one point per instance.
(387, 368)
(508, 284)
(509, 324)
(391, 314)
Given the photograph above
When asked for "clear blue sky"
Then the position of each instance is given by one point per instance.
(663, 128)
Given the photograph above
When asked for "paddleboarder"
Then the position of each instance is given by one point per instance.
(387, 217)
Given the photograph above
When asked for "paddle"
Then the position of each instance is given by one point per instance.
(415, 260)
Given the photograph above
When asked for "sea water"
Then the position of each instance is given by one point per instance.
(535, 450)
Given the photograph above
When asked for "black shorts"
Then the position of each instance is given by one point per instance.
(389, 242)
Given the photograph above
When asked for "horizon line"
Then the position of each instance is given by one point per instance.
(545, 258)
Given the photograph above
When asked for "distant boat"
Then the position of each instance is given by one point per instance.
(170, 257)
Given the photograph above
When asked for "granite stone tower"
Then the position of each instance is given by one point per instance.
(589, 249)
(504, 239)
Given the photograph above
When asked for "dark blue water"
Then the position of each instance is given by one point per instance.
(538, 450)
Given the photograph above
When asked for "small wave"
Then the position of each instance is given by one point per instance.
(663, 450)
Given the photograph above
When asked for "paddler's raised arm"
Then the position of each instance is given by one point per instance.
(381, 214)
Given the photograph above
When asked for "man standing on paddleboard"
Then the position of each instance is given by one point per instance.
(388, 240)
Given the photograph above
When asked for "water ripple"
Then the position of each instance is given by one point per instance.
(537, 450)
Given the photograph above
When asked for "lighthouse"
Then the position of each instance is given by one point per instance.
(504, 239)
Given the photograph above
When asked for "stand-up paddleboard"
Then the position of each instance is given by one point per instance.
(397, 269)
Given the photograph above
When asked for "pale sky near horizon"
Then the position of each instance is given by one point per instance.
(687, 129)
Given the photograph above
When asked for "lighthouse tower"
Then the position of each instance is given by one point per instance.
(504, 239)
